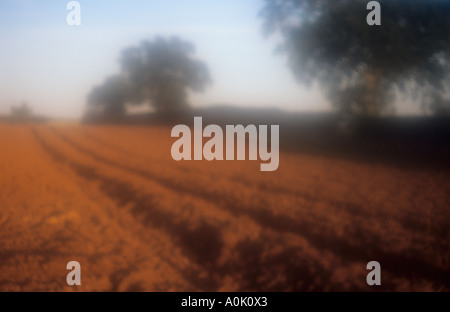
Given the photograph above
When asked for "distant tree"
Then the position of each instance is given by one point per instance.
(360, 66)
(162, 71)
(438, 104)
(157, 73)
(109, 98)
(21, 112)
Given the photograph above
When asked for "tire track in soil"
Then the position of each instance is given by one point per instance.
(249, 259)
(406, 222)
(397, 264)
(192, 241)
(249, 265)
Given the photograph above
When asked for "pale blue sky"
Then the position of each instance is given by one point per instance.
(53, 66)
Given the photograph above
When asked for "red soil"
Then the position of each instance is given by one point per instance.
(113, 199)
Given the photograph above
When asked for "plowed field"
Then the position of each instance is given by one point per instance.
(113, 199)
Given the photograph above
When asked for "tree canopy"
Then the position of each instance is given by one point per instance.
(22, 111)
(111, 96)
(360, 66)
(157, 73)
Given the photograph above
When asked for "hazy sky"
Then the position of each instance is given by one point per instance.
(53, 66)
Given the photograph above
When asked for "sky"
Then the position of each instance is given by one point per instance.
(53, 66)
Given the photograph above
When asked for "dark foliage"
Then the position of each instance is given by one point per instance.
(360, 66)
(157, 73)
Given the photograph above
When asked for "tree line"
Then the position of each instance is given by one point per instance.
(361, 68)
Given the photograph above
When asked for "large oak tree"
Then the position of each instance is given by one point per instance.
(361, 66)
(157, 73)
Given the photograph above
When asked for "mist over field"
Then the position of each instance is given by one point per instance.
(90, 95)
